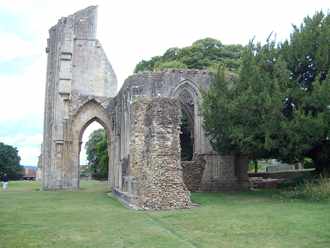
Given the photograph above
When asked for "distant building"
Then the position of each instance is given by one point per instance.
(29, 172)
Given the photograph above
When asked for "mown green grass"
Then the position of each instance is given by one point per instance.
(90, 218)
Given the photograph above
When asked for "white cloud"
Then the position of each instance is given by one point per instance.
(29, 155)
(22, 139)
(133, 30)
(22, 95)
(28, 146)
(12, 47)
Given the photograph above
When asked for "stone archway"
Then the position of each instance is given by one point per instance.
(188, 93)
(88, 113)
(189, 96)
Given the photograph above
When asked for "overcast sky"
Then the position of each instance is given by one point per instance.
(129, 31)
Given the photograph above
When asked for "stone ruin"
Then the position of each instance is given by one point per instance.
(142, 122)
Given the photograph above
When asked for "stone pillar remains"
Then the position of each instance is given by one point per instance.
(155, 163)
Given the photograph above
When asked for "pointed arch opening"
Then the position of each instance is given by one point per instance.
(92, 119)
(187, 126)
(94, 157)
(187, 93)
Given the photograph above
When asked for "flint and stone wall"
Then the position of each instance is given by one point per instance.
(155, 156)
(193, 172)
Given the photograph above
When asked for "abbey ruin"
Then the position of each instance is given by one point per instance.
(142, 123)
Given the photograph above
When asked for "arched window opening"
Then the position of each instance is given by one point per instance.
(187, 125)
(186, 138)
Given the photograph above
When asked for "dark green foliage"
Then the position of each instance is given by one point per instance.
(307, 127)
(202, 54)
(308, 163)
(311, 189)
(279, 106)
(147, 65)
(241, 115)
(97, 154)
(308, 52)
(169, 64)
(10, 162)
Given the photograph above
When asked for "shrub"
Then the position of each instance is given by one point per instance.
(314, 190)
(308, 163)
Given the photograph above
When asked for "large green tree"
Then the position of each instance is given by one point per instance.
(241, 114)
(206, 53)
(279, 105)
(307, 127)
(97, 154)
(10, 162)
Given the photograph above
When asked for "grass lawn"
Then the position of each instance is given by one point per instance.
(90, 218)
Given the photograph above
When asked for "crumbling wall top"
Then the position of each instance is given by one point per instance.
(83, 23)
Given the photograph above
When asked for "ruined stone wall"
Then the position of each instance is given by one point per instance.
(59, 45)
(220, 172)
(161, 185)
(142, 121)
(77, 71)
(155, 173)
(193, 173)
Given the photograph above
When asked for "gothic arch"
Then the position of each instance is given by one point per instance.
(88, 113)
(188, 85)
(188, 93)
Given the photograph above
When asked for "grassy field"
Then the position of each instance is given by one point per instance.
(90, 218)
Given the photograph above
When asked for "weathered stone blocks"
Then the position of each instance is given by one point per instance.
(193, 173)
(155, 154)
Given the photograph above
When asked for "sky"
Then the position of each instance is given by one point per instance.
(129, 31)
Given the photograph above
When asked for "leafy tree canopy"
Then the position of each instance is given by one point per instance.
(307, 54)
(241, 113)
(97, 154)
(202, 54)
(10, 162)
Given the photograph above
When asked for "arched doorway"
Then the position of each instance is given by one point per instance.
(91, 112)
(94, 157)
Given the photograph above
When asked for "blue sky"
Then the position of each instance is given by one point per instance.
(129, 31)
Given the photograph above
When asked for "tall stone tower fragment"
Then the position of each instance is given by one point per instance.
(77, 71)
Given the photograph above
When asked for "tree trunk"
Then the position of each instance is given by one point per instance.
(241, 166)
(255, 166)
